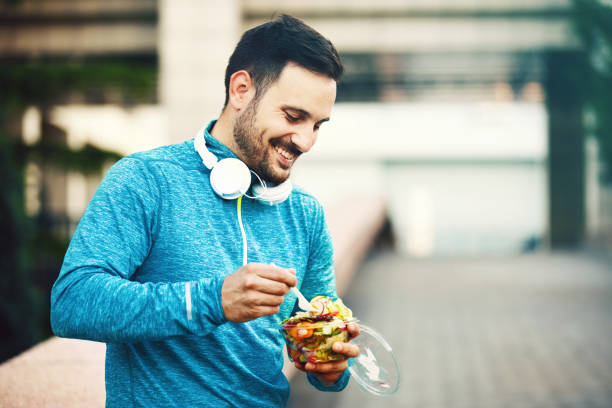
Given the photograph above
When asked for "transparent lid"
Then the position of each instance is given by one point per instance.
(375, 369)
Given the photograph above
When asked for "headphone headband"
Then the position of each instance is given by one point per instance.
(199, 143)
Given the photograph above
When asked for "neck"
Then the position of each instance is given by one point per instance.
(223, 131)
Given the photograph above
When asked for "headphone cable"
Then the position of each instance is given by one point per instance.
(244, 239)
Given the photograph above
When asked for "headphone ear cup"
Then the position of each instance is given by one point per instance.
(273, 195)
(230, 178)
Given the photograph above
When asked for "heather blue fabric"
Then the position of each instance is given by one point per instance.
(155, 225)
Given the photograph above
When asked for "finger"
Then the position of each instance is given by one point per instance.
(353, 329)
(329, 379)
(326, 368)
(259, 311)
(264, 285)
(291, 270)
(278, 274)
(263, 299)
(348, 349)
(299, 366)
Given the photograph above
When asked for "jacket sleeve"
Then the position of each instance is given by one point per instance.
(321, 280)
(94, 297)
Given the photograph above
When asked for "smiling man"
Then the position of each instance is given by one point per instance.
(183, 260)
(269, 132)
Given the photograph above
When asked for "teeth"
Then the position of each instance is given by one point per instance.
(284, 153)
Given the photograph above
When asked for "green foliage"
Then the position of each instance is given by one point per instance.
(31, 249)
(87, 160)
(45, 83)
(19, 298)
(594, 26)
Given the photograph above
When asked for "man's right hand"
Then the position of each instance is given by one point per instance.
(255, 290)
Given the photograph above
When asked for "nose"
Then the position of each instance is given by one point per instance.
(304, 139)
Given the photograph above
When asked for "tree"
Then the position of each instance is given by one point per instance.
(593, 24)
(31, 248)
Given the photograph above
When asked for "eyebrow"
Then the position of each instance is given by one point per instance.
(303, 112)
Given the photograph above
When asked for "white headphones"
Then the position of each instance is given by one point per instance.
(230, 178)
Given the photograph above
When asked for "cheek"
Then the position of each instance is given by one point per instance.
(279, 129)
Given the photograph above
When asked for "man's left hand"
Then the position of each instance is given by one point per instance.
(329, 372)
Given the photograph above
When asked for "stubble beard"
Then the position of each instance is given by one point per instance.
(250, 142)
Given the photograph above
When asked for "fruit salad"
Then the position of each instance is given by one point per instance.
(310, 335)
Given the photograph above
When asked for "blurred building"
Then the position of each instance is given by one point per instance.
(393, 50)
(443, 106)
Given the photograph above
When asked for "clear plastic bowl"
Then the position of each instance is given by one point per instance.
(312, 341)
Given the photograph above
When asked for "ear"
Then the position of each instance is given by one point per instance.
(241, 90)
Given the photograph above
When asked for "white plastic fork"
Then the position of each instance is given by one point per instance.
(303, 303)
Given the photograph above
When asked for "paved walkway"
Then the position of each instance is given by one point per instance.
(515, 332)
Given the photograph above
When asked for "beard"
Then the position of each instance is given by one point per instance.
(249, 140)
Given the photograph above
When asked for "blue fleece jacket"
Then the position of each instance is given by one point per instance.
(144, 271)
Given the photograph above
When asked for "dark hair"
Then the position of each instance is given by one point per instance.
(265, 50)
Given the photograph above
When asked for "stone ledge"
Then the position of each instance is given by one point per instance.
(70, 373)
(55, 373)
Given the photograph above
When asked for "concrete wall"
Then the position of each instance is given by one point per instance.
(196, 38)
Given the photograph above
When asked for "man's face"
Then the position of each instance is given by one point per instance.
(275, 130)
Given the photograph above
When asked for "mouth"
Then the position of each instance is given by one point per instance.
(287, 156)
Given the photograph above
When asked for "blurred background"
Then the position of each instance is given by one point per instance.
(485, 124)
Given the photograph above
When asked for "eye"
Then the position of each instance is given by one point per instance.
(318, 125)
(291, 118)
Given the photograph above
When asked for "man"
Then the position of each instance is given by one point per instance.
(187, 279)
